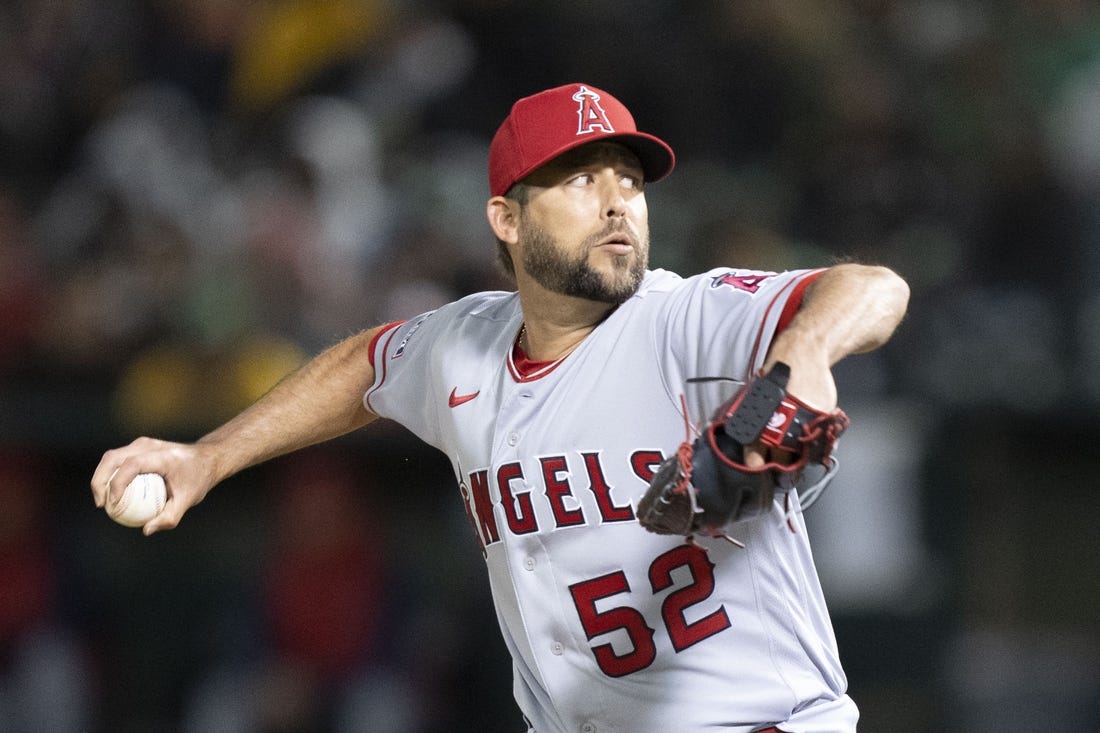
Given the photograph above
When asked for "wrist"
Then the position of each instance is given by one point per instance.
(214, 457)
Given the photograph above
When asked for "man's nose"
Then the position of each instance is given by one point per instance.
(614, 201)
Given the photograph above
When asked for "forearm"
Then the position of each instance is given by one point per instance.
(849, 309)
(320, 401)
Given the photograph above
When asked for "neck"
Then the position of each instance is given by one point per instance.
(555, 326)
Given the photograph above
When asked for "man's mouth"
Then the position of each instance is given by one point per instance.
(619, 243)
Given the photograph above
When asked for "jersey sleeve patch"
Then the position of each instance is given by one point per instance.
(748, 283)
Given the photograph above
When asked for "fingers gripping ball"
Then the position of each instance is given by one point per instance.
(142, 500)
(707, 485)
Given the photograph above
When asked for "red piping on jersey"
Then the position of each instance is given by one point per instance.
(523, 369)
(794, 302)
(790, 307)
(374, 340)
(391, 330)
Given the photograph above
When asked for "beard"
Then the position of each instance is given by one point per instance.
(552, 268)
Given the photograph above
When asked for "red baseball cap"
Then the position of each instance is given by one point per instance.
(543, 126)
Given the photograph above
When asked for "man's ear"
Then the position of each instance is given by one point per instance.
(503, 216)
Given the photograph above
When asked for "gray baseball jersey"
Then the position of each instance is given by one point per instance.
(610, 627)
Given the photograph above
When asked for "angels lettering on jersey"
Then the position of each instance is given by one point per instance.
(560, 484)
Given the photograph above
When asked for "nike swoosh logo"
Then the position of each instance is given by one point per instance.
(457, 399)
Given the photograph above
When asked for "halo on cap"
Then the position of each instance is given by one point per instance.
(542, 126)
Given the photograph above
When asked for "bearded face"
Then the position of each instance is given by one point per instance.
(559, 270)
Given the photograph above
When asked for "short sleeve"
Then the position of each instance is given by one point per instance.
(719, 325)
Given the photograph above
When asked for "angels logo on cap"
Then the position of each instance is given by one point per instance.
(590, 115)
(542, 126)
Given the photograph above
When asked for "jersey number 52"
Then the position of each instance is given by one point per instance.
(682, 634)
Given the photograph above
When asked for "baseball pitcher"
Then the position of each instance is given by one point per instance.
(632, 447)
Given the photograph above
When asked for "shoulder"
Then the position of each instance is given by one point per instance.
(658, 281)
(478, 316)
(488, 306)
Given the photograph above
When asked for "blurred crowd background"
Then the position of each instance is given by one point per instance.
(197, 195)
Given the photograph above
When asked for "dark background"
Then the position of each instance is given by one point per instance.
(196, 195)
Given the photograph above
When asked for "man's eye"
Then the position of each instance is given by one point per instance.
(581, 180)
(631, 182)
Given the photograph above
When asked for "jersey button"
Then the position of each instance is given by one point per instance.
(529, 563)
(513, 438)
(557, 648)
(588, 728)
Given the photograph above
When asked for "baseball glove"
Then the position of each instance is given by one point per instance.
(706, 485)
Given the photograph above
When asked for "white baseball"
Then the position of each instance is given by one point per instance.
(142, 500)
